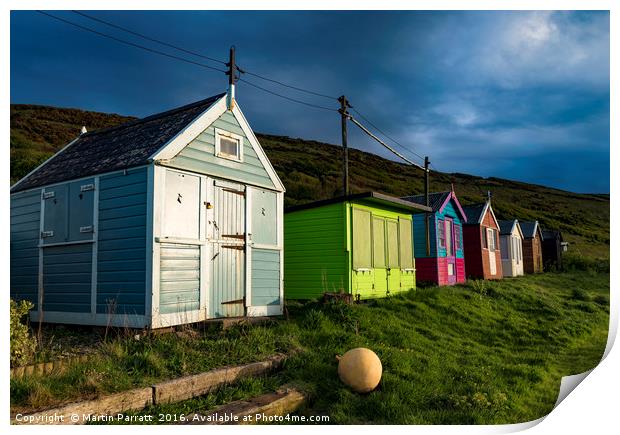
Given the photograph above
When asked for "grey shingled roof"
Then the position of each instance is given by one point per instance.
(435, 199)
(473, 212)
(124, 146)
(528, 228)
(505, 227)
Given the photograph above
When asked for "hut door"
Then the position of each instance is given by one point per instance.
(227, 221)
(491, 241)
(450, 257)
(393, 272)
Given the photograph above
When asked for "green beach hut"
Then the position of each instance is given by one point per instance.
(360, 244)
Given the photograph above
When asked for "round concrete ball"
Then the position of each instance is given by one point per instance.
(360, 369)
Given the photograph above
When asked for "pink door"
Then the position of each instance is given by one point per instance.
(450, 256)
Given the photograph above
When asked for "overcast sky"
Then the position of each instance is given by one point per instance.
(518, 95)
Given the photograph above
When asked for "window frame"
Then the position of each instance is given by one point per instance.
(441, 230)
(219, 134)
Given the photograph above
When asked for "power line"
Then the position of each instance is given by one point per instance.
(369, 133)
(148, 38)
(105, 35)
(193, 53)
(385, 134)
(122, 41)
(318, 94)
(316, 106)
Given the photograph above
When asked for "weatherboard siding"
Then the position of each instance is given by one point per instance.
(24, 262)
(199, 156)
(121, 254)
(315, 253)
(451, 212)
(179, 288)
(67, 278)
(419, 240)
(265, 277)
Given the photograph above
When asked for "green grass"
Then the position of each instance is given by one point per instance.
(470, 354)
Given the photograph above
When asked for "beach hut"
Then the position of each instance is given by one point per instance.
(552, 248)
(511, 245)
(483, 258)
(170, 219)
(532, 246)
(359, 244)
(442, 261)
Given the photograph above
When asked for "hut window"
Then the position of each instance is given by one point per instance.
(491, 239)
(228, 145)
(362, 253)
(457, 237)
(441, 233)
(378, 242)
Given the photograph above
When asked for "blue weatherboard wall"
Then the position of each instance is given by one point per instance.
(121, 256)
(199, 156)
(265, 277)
(419, 232)
(25, 227)
(452, 212)
(67, 278)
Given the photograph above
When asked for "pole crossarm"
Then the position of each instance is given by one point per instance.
(369, 133)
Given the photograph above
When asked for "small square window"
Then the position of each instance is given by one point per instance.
(228, 145)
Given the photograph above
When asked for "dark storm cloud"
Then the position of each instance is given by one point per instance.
(520, 95)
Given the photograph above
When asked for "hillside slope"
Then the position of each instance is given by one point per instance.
(312, 170)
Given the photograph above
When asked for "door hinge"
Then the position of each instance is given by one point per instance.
(86, 229)
(45, 234)
(48, 195)
(87, 187)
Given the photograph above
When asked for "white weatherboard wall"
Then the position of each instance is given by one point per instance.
(512, 253)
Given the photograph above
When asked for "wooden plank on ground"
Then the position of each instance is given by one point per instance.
(203, 383)
(255, 410)
(83, 412)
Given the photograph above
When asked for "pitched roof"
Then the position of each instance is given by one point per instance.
(505, 227)
(529, 228)
(437, 201)
(124, 146)
(373, 197)
(475, 212)
(552, 234)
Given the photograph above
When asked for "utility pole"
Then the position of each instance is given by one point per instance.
(427, 203)
(232, 78)
(344, 104)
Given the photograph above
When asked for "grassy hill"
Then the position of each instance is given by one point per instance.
(311, 170)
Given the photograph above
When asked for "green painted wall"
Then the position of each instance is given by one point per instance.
(199, 156)
(315, 252)
(319, 246)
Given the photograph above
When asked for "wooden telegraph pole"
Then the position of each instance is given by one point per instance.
(232, 78)
(344, 104)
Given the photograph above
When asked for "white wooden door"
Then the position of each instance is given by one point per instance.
(228, 241)
(491, 242)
